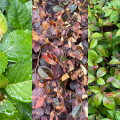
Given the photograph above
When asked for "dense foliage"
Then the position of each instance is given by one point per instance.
(59, 60)
(104, 59)
(15, 60)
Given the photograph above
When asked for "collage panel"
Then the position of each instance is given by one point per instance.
(59, 60)
(15, 60)
(104, 60)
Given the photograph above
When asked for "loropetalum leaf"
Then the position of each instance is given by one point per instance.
(116, 83)
(3, 81)
(16, 45)
(109, 102)
(100, 81)
(3, 25)
(118, 33)
(45, 73)
(20, 83)
(101, 72)
(50, 58)
(18, 15)
(114, 61)
(91, 78)
(95, 89)
(117, 98)
(3, 62)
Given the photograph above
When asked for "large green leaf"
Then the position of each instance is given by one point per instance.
(3, 62)
(20, 83)
(3, 4)
(17, 45)
(8, 111)
(18, 15)
(109, 102)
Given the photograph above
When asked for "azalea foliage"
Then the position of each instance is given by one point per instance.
(104, 59)
(59, 59)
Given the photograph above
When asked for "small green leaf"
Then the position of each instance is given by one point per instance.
(96, 35)
(100, 81)
(20, 82)
(98, 99)
(95, 89)
(92, 54)
(118, 33)
(93, 43)
(102, 51)
(116, 83)
(114, 61)
(98, 59)
(109, 102)
(89, 62)
(91, 78)
(101, 72)
(108, 12)
(3, 62)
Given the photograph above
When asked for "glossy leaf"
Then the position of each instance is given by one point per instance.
(96, 35)
(114, 61)
(20, 83)
(116, 83)
(91, 78)
(17, 45)
(100, 81)
(93, 43)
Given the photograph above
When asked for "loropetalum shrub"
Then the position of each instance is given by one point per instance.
(104, 60)
(15, 60)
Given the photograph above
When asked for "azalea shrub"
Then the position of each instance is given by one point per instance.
(15, 60)
(59, 43)
(104, 59)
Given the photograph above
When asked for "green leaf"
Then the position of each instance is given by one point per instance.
(107, 23)
(96, 35)
(102, 51)
(114, 16)
(111, 114)
(57, 8)
(114, 61)
(92, 54)
(95, 89)
(18, 15)
(8, 111)
(93, 43)
(17, 45)
(3, 4)
(100, 81)
(3, 62)
(116, 83)
(118, 115)
(117, 98)
(111, 94)
(98, 59)
(109, 102)
(89, 62)
(72, 8)
(108, 12)
(118, 33)
(98, 99)
(20, 83)
(3, 81)
(101, 72)
(91, 78)
(3, 25)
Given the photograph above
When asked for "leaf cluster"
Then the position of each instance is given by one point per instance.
(104, 59)
(15, 59)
